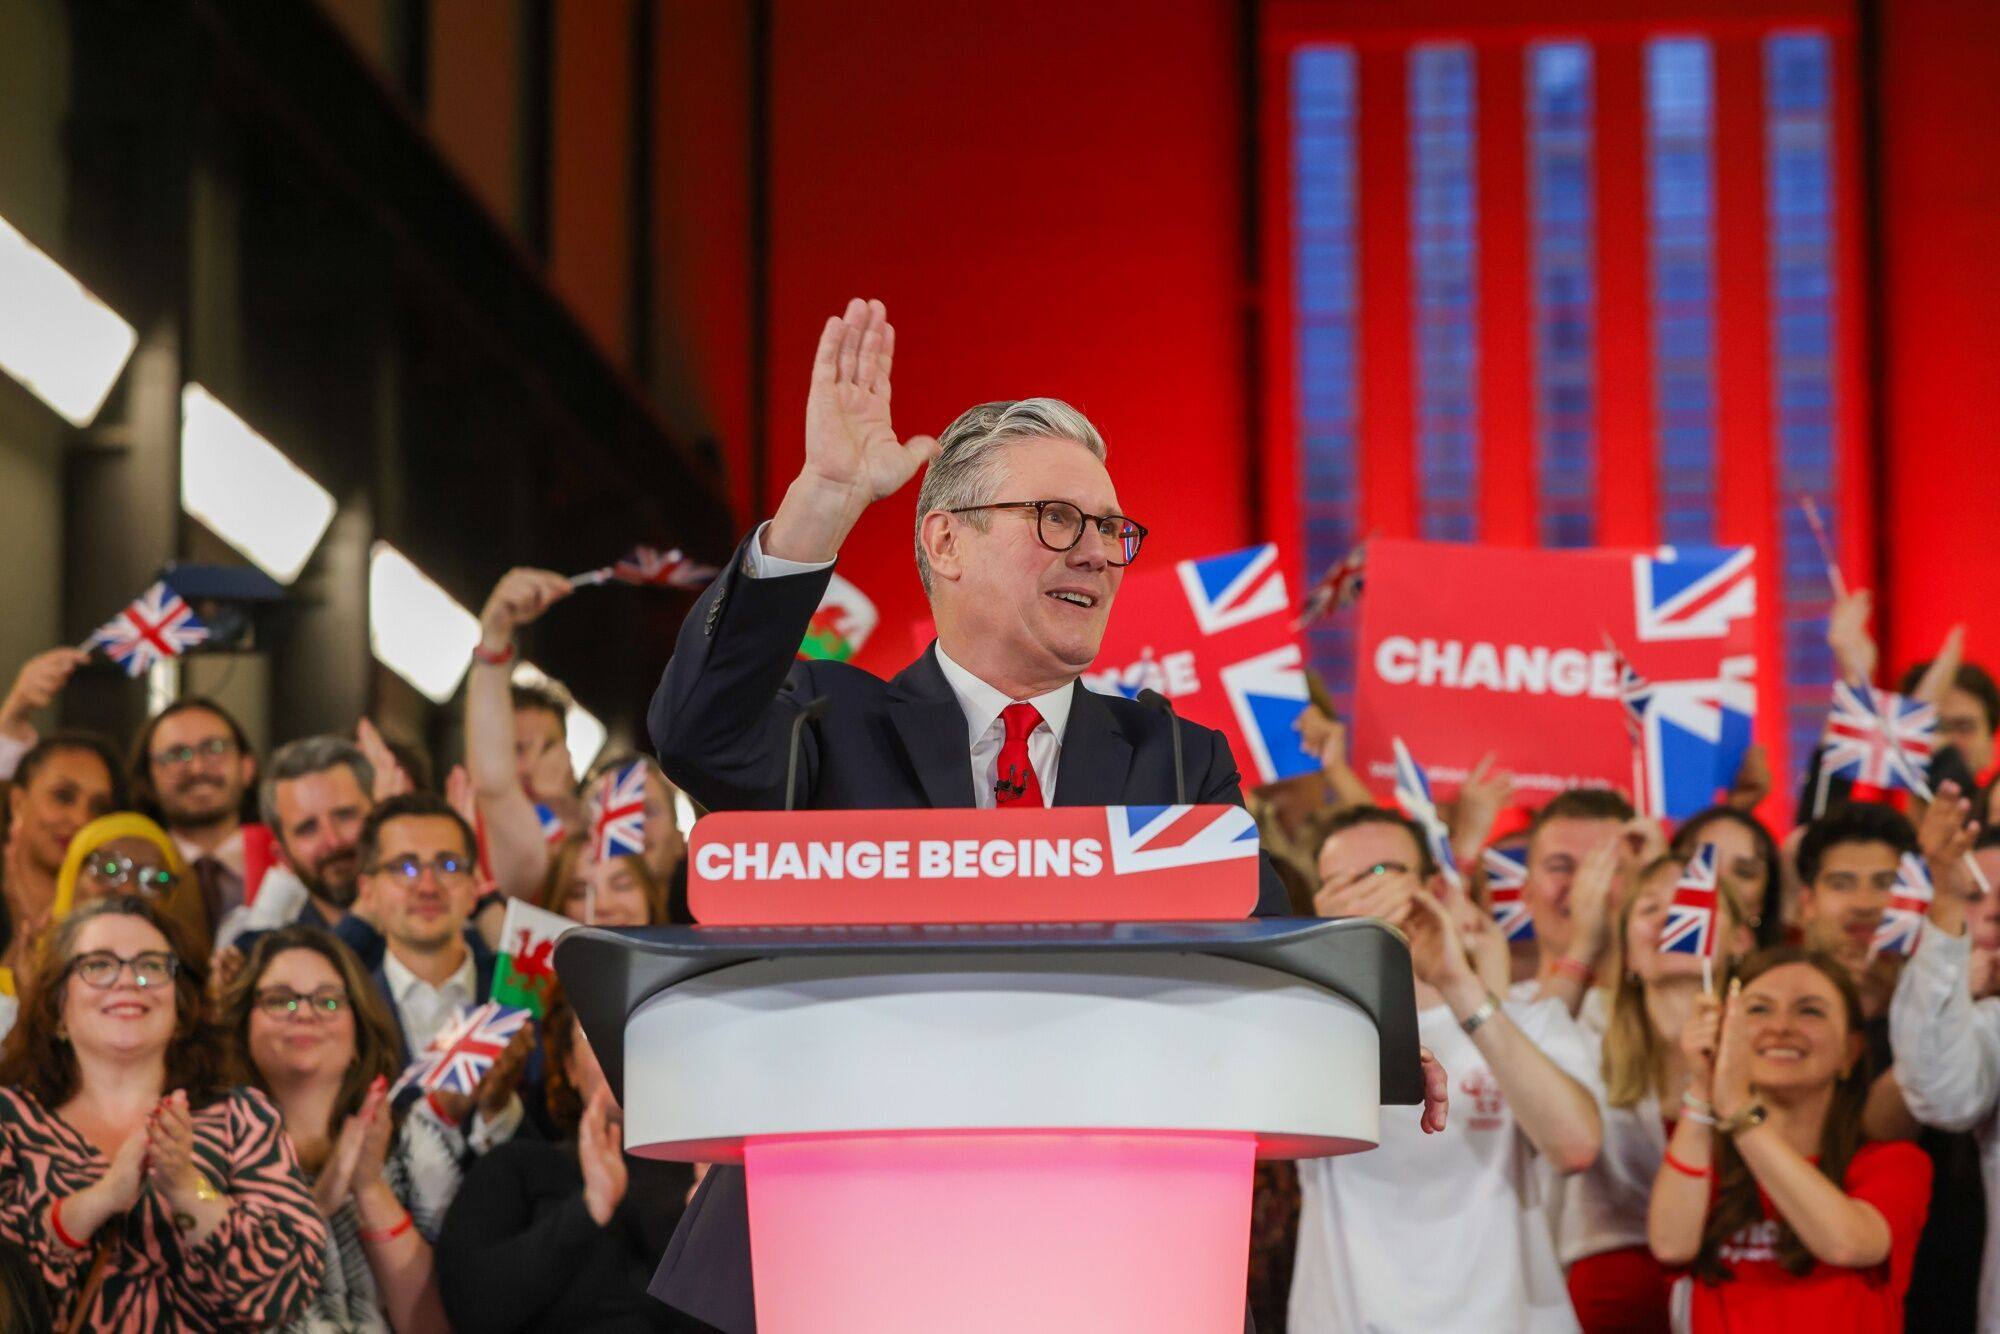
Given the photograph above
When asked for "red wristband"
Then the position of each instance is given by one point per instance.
(62, 1233)
(1576, 968)
(389, 1233)
(491, 657)
(1684, 1169)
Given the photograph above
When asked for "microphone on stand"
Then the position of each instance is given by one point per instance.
(811, 711)
(1159, 704)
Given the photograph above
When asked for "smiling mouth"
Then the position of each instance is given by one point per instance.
(127, 1010)
(1782, 1052)
(1073, 598)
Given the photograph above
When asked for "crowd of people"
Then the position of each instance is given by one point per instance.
(214, 962)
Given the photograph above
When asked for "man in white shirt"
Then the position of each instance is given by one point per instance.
(1440, 1233)
(1021, 548)
(1944, 1024)
(418, 871)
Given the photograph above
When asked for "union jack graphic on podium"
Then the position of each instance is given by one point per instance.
(1506, 880)
(157, 626)
(1879, 738)
(1693, 592)
(1909, 902)
(459, 1057)
(618, 813)
(1156, 838)
(1690, 924)
(1413, 794)
(649, 566)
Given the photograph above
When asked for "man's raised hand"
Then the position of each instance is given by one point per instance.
(853, 457)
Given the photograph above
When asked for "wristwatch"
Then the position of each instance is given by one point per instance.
(1749, 1117)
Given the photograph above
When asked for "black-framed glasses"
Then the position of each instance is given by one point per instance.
(1376, 871)
(447, 866)
(284, 1003)
(1059, 525)
(177, 757)
(101, 968)
(118, 871)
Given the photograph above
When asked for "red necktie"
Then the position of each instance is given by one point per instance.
(1014, 781)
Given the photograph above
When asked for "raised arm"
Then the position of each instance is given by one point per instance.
(514, 841)
(853, 457)
(1555, 1110)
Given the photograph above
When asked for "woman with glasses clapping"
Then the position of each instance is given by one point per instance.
(302, 1022)
(147, 1195)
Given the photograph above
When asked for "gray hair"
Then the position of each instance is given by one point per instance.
(967, 468)
(307, 756)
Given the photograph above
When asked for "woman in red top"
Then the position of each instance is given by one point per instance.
(1787, 1219)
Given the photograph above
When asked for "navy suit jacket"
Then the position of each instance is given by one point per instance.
(721, 723)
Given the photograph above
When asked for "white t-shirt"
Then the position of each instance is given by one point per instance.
(1428, 1234)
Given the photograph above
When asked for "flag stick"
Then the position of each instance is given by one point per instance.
(1708, 966)
(590, 578)
(1825, 547)
(1923, 789)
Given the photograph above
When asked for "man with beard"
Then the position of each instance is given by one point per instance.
(316, 793)
(191, 770)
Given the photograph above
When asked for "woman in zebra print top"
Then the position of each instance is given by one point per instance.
(302, 1022)
(146, 1194)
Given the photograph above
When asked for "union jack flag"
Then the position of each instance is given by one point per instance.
(459, 1057)
(1506, 878)
(1339, 587)
(1909, 901)
(157, 626)
(1413, 794)
(1235, 588)
(1156, 838)
(552, 826)
(649, 566)
(1690, 925)
(1878, 738)
(618, 813)
(1693, 592)
(1688, 737)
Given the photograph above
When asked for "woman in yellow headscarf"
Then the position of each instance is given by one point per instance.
(126, 853)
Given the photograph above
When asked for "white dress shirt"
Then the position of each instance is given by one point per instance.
(1947, 1049)
(979, 702)
(424, 1010)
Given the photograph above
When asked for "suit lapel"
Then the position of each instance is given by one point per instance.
(931, 727)
(1096, 757)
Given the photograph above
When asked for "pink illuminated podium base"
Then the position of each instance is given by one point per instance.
(1000, 1232)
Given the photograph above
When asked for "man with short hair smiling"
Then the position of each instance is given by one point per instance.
(1021, 545)
(418, 870)
(191, 769)
(1847, 872)
(316, 794)
(1568, 840)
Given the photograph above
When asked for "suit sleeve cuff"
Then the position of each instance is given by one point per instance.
(759, 565)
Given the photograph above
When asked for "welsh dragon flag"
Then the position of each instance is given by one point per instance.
(526, 970)
(842, 624)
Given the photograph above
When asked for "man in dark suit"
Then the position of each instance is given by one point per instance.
(1021, 547)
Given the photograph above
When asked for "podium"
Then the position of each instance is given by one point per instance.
(988, 1126)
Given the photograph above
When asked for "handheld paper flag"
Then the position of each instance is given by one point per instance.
(157, 626)
(1339, 587)
(1413, 794)
(1879, 738)
(525, 973)
(1909, 902)
(459, 1057)
(1506, 878)
(618, 813)
(1690, 926)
